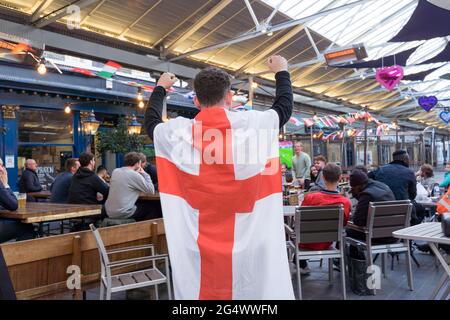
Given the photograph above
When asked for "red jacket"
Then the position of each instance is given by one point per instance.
(325, 198)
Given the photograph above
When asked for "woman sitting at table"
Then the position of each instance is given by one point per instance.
(313, 174)
(11, 229)
(425, 176)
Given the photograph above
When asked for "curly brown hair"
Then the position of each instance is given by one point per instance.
(211, 86)
(427, 170)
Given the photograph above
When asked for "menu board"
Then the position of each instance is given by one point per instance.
(46, 176)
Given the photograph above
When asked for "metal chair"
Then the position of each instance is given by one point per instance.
(130, 280)
(318, 224)
(383, 218)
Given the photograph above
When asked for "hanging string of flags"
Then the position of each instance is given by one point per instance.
(380, 130)
(333, 121)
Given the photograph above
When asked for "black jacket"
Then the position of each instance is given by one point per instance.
(373, 192)
(29, 182)
(397, 176)
(283, 104)
(7, 199)
(84, 187)
(151, 170)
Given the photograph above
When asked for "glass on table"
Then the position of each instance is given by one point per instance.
(21, 199)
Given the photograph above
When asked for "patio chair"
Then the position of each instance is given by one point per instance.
(383, 219)
(318, 224)
(131, 280)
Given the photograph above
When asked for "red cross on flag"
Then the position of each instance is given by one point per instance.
(220, 188)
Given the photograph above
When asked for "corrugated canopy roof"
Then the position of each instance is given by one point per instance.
(210, 31)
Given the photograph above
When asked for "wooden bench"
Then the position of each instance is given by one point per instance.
(39, 267)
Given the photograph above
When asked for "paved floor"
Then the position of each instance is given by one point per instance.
(317, 287)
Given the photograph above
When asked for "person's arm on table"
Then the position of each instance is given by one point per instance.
(153, 113)
(7, 198)
(284, 99)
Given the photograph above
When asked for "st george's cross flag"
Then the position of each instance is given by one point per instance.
(220, 188)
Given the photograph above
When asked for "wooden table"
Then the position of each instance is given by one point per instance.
(430, 232)
(40, 194)
(150, 196)
(38, 212)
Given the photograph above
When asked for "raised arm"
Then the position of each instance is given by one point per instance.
(153, 113)
(284, 99)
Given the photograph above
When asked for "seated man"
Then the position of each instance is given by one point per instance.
(11, 229)
(103, 174)
(60, 187)
(29, 182)
(86, 184)
(150, 169)
(404, 185)
(319, 162)
(366, 190)
(328, 196)
(126, 185)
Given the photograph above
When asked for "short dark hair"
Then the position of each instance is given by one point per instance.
(427, 170)
(320, 158)
(401, 155)
(363, 168)
(358, 178)
(71, 163)
(101, 168)
(132, 158)
(332, 172)
(85, 158)
(211, 86)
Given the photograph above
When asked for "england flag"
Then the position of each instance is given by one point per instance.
(220, 188)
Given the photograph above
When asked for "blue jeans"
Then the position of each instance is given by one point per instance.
(11, 229)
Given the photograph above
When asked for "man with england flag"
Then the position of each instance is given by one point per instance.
(220, 186)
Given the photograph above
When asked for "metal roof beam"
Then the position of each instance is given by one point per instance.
(200, 23)
(37, 37)
(131, 25)
(61, 13)
(264, 53)
(92, 12)
(279, 27)
(40, 9)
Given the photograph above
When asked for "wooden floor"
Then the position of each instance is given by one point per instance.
(317, 287)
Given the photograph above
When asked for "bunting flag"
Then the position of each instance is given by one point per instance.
(308, 122)
(295, 121)
(85, 72)
(109, 69)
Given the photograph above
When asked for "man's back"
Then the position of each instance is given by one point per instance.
(84, 187)
(375, 191)
(325, 198)
(125, 187)
(399, 178)
(60, 187)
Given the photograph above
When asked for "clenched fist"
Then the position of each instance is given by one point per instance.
(277, 63)
(167, 80)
